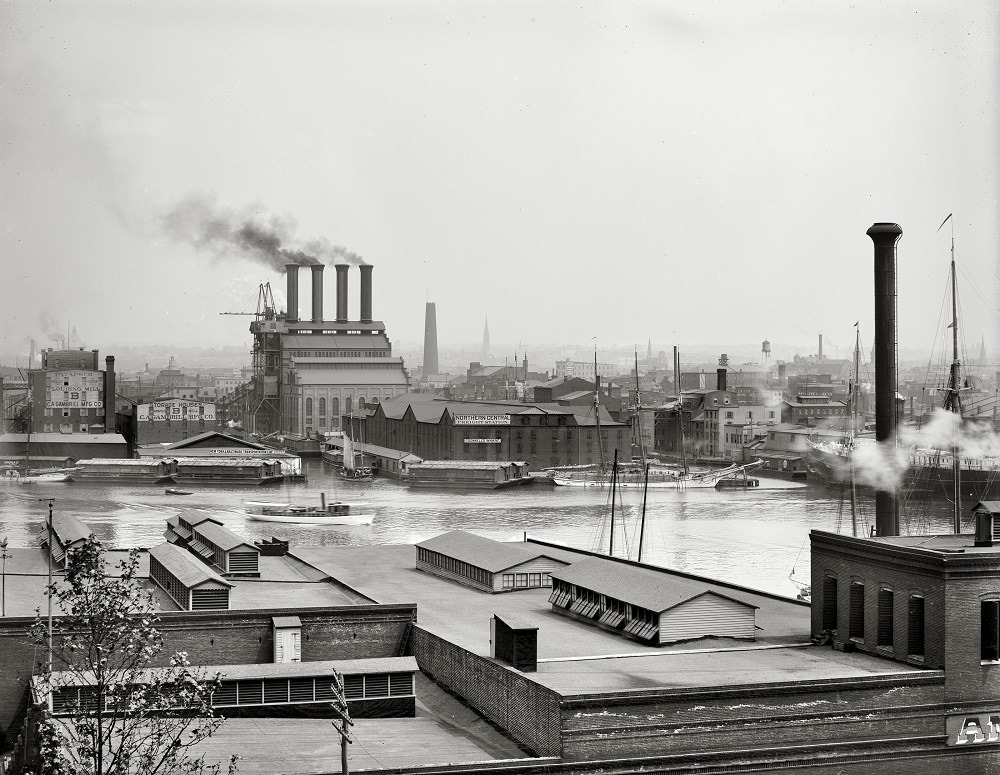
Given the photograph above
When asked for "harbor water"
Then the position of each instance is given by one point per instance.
(756, 537)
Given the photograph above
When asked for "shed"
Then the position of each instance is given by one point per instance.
(68, 533)
(648, 604)
(191, 584)
(493, 566)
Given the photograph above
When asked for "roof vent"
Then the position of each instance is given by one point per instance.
(987, 522)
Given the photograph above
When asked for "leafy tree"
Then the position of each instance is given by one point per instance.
(122, 715)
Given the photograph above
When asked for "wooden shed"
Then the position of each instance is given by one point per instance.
(492, 566)
(647, 604)
(191, 584)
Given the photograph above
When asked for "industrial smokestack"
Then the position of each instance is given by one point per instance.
(820, 347)
(885, 236)
(430, 339)
(677, 372)
(292, 278)
(720, 379)
(341, 292)
(110, 425)
(317, 289)
(366, 293)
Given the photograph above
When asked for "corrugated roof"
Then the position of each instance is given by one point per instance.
(493, 556)
(222, 536)
(189, 571)
(647, 588)
(335, 341)
(360, 375)
(470, 465)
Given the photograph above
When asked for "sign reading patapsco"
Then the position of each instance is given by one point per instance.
(481, 419)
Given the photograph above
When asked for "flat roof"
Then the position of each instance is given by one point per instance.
(577, 657)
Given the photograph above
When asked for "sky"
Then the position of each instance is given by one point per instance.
(607, 172)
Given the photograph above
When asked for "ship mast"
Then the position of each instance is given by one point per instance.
(953, 400)
(852, 399)
(638, 413)
(597, 412)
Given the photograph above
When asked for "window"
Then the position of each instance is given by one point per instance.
(915, 626)
(347, 405)
(508, 581)
(989, 624)
(322, 408)
(856, 627)
(829, 603)
(309, 407)
(885, 597)
(335, 406)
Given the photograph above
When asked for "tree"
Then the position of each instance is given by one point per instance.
(117, 713)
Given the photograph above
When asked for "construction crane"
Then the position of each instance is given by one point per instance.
(265, 304)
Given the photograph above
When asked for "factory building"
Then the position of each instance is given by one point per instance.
(308, 373)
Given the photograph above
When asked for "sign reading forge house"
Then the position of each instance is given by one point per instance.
(74, 389)
(481, 419)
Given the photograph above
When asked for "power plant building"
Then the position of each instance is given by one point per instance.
(310, 372)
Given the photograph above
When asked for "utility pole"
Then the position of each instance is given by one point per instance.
(49, 590)
(3, 576)
(343, 714)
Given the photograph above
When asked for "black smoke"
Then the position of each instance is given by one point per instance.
(225, 232)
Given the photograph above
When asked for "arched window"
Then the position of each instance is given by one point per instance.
(361, 403)
(322, 407)
(309, 407)
(347, 405)
(335, 407)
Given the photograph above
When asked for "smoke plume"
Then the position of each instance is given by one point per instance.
(883, 466)
(223, 232)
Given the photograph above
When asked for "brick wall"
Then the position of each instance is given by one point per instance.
(525, 710)
(223, 638)
(671, 721)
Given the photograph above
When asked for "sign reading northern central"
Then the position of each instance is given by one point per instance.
(481, 419)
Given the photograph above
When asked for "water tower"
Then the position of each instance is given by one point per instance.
(765, 353)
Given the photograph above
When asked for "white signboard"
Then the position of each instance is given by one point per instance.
(481, 419)
(176, 410)
(481, 441)
(74, 389)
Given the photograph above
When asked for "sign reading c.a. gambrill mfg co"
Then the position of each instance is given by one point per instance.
(973, 729)
(481, 419)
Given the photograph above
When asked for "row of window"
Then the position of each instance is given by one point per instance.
(885, 634)
(607, 610)
(526, 580)
(450, 564)
(339, 353)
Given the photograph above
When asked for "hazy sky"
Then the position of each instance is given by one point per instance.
(677, 171)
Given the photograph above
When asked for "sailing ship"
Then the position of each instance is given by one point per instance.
(929, 467)
(349, 468)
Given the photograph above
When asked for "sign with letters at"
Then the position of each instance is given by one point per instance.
(481, 419)
(973, 729)
(77, 389)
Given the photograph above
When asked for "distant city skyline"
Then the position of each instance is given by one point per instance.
(629, 172)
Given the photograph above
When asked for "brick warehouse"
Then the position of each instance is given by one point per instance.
(542, 435)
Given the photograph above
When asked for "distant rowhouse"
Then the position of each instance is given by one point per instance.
(492, 566)
(647, 604)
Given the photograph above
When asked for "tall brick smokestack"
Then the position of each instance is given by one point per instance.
(342, 292)
(820, 347)
(366, 293)
(292, 288)
(430, 339)
(110, 426)
(317, 291)
(885, 236)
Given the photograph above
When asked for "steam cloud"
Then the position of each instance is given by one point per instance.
(268, 239)
(883, 466)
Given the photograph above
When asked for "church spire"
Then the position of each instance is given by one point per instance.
(486, 337)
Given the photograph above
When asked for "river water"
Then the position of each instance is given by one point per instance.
(756, 537)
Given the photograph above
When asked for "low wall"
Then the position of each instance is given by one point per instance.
(221, 638)
(672, 721)
(525, 710)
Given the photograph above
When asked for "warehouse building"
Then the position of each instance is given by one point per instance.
(482, 563)
(649, 605)
(542, 435)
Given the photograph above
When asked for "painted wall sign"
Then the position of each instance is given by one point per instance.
(481, 441)
(973, 729)
(179, 409)
(74, 389)
(481, 419)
